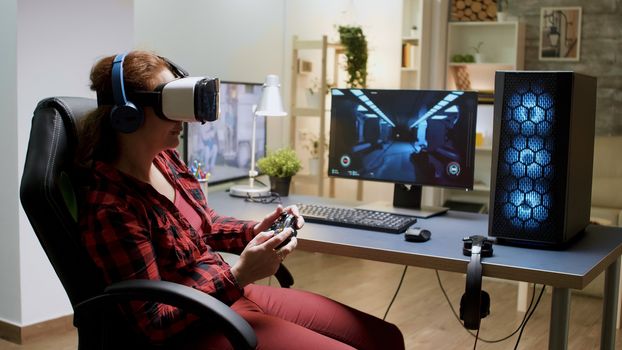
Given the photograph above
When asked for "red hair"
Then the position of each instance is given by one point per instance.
(97, 140)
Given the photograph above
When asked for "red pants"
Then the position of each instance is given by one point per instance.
(294, 319)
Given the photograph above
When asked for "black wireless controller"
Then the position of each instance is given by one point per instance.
(284, 221)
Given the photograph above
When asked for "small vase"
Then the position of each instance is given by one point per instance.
(478, 58)
(280, 185)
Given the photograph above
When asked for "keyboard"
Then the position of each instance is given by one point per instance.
(356, 218)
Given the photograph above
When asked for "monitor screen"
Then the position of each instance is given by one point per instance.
(223, 147)
(412, 137)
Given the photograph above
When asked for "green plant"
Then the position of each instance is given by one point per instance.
(466, 58)
(355, 43)
(313, 146)
(502, 5)
(281, 163)
(478, 47)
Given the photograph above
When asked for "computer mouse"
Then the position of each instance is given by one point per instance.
(417, 234)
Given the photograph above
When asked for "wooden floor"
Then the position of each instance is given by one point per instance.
(420, 310)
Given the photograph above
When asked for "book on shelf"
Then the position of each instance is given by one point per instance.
(485, 96)
(408, 55)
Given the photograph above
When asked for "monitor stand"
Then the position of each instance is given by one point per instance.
(406, 201)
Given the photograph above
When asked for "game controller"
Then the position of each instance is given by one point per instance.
(284, 221)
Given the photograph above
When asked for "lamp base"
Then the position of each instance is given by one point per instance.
(249, 191)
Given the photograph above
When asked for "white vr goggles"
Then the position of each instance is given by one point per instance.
(187, 99)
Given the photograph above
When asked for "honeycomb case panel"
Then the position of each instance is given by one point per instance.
(532, 147)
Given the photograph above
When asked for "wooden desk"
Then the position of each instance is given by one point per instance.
(598, 250)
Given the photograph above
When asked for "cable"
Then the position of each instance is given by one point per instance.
(438, 277)
(261, 182)
(476, 337)
(527, 320)
(272, 197)
(396, 291)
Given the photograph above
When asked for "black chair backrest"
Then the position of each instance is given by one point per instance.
(48, 196)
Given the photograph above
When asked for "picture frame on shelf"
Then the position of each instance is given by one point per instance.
(560, 34)
(304, 66)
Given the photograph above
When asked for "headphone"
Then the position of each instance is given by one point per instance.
(475, 303)
(125, 116)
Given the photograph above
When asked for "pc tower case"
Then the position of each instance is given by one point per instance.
(543, 148)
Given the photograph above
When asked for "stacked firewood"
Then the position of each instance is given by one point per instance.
(473, 10)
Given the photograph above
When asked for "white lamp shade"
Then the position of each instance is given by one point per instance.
(271, 104)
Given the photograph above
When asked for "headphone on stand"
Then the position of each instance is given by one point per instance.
(125, 116)
(475, 303)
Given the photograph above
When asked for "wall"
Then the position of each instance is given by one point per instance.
(55, 49)
(601, 52)
(235, 40)
(9, 269)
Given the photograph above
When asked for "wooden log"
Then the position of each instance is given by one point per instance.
(491, 10)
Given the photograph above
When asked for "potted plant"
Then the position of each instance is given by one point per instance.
(478, 52)
(280, 166)
(355, 43)
(313, 146)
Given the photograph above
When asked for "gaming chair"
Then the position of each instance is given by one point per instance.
(49, 198)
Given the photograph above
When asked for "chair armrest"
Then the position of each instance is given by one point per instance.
(234, 327)
(282, 275)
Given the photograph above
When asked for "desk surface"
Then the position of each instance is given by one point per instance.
(573, 267)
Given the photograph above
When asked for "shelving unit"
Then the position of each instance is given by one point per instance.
(502, 48)
(415, 44)
(316, 109)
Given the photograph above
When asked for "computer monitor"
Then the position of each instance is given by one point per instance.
(412, 138)
(223, 147)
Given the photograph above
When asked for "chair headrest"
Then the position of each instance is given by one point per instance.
(71, 110)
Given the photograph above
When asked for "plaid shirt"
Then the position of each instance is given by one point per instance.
(133, 232)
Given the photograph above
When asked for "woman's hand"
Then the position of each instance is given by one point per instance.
(260, 259)
(270, 218)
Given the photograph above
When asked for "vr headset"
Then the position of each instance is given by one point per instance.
(187, 99)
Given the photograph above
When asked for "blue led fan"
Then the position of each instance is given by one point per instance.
(525, 159)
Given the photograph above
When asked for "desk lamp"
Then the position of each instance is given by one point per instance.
(270, 105)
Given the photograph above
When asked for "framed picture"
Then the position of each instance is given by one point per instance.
(560, 33)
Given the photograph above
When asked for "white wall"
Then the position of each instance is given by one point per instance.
(57, 43)
(9, 237)
(235, 40)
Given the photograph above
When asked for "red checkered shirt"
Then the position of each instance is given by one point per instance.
(133, 232)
